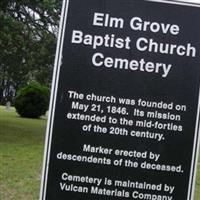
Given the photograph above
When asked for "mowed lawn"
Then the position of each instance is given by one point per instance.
(21, 154)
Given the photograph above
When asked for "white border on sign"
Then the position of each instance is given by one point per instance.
(195, 155)
(183, 3)
(56, 73)
(54, 88)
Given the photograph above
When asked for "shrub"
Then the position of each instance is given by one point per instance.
(32, 101)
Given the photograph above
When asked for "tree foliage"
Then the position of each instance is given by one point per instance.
(27, 42)
(32, 101)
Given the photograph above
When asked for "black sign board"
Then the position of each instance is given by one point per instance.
(124, 114)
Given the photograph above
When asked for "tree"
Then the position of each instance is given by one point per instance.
(27, 42)
(32, 101)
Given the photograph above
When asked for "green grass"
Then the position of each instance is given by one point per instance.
(21, 154)
(197, 189)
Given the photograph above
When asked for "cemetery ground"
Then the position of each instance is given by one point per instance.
(21, 155)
